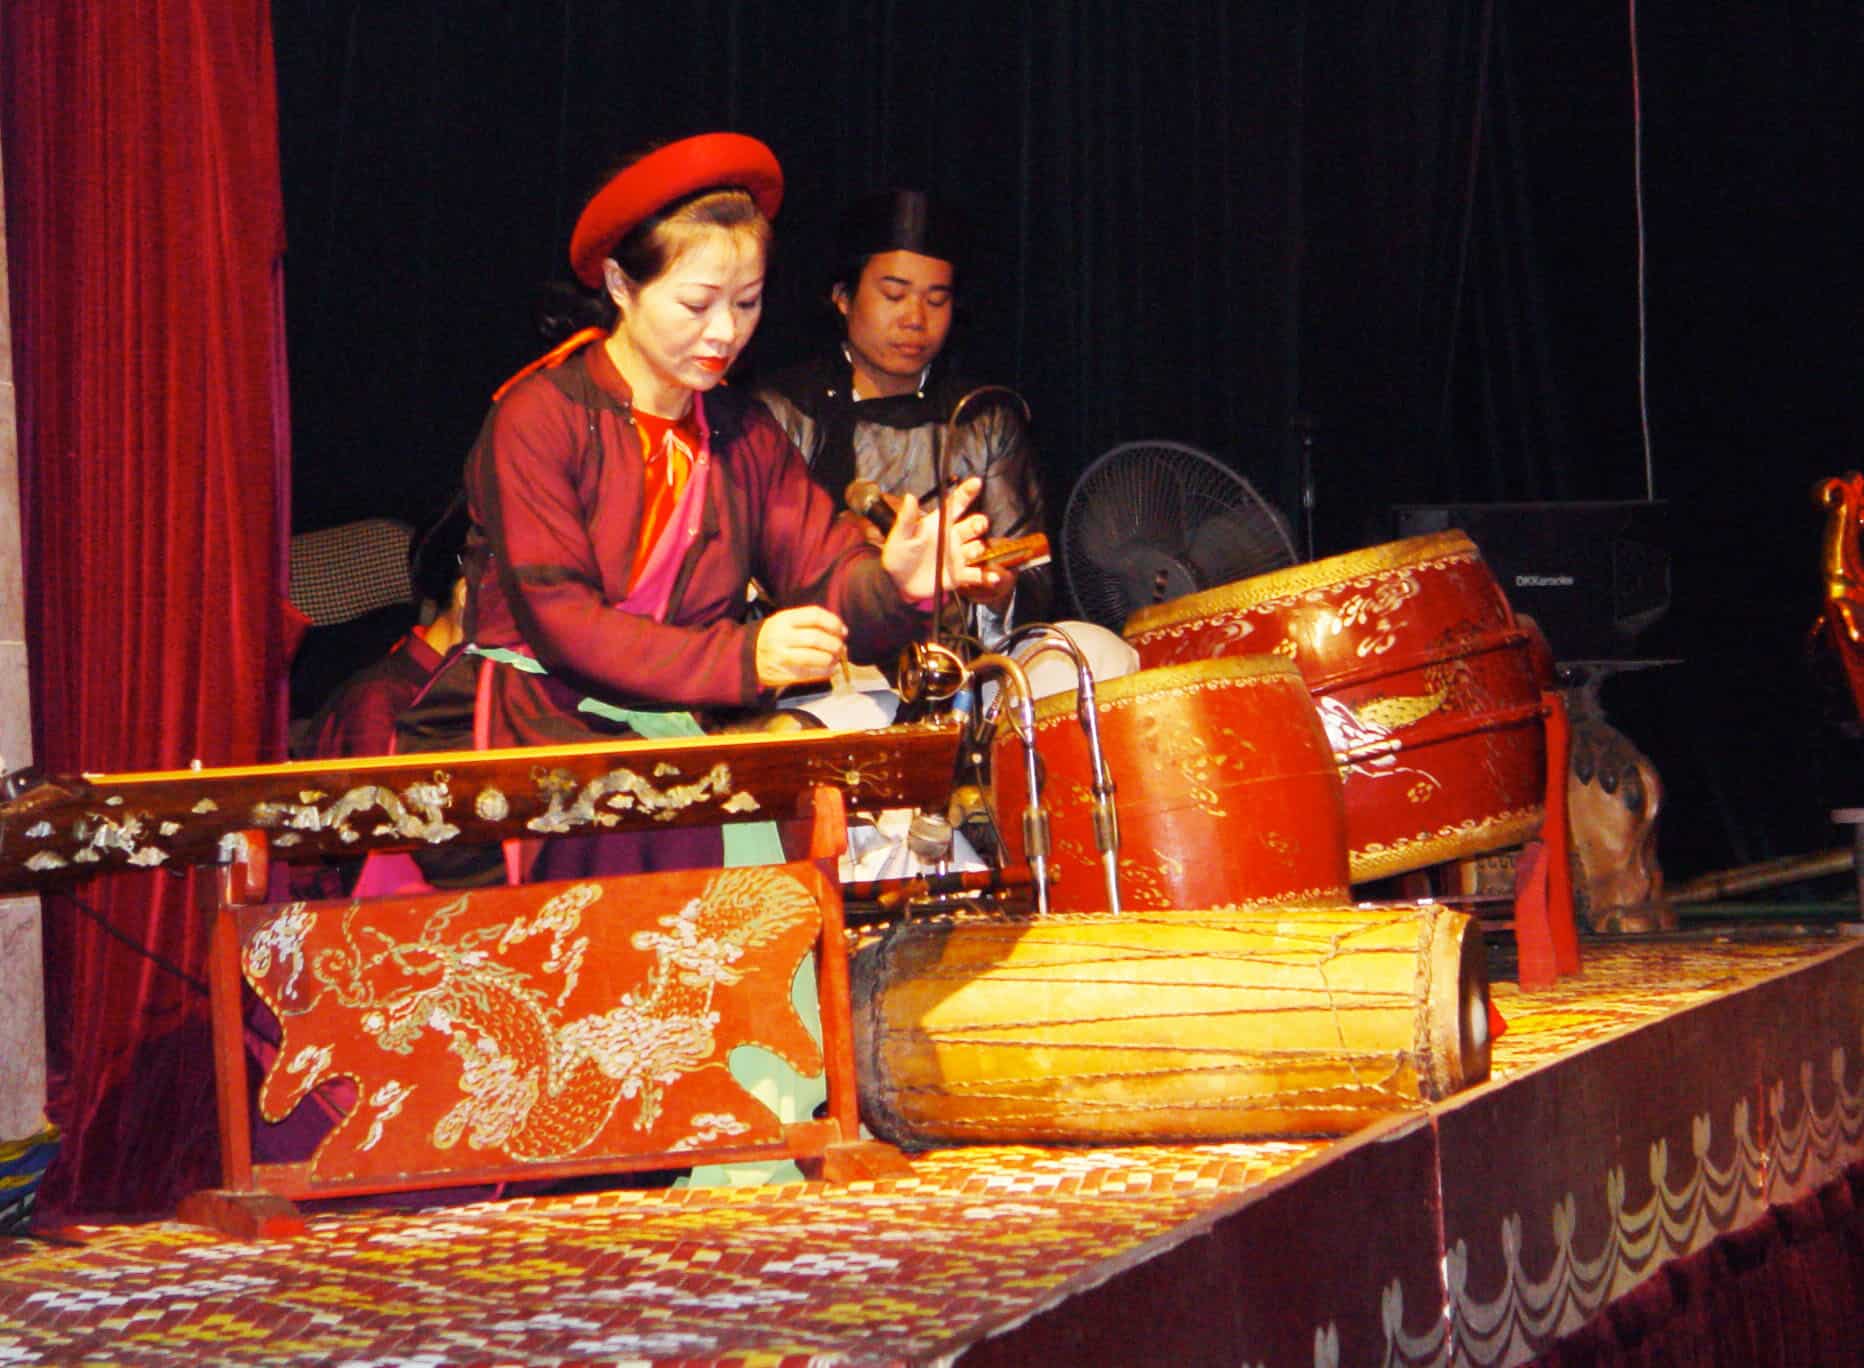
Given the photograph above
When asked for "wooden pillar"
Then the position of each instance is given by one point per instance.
(22, 989)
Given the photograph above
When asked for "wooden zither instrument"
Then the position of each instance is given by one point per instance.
(59, 828)
(488, 1034)
(1428, 686)
(1220, 1024)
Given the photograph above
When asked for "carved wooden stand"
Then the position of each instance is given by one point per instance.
(1545, 928)
(1546, 939)
(405, 994)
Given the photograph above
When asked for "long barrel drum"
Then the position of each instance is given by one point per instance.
(1157, 1026)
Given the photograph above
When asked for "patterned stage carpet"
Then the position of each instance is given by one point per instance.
(903, 1270)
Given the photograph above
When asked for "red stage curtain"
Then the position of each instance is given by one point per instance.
(145, 235)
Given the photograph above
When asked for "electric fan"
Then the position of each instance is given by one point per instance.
(1152, 521)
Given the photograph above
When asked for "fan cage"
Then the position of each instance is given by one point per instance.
(1154, 520)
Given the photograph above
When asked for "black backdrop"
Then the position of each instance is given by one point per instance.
(1412, 225)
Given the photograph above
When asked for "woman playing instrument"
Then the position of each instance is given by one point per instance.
(623, 501)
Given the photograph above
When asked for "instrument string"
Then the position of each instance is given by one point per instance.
(158, 960)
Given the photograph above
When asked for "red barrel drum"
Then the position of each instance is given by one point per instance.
(1227, 789)
(1427, 685)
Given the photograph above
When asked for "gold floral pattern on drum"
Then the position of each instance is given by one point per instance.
(1144, 882)
(1226, 608)
(1227, 787)
(1378, 597)
(532, 1024)
(1395, 714)
(1424, 682)
(1207, 763)
(1373, 611)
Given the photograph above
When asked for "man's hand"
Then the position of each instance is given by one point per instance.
(995, 597)
(872, 529)
(910, 552)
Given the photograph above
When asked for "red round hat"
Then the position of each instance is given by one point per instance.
(638, 192)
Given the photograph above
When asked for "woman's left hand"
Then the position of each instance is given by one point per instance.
(910, 552)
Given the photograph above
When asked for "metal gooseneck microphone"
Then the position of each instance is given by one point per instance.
(1106, 811)
(982, 391)
(1035, 816)
(938, 560)
(869, 500)
(932, 671)
(936, 672)
(939, 444)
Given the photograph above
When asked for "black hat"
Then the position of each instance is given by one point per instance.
(901, 221)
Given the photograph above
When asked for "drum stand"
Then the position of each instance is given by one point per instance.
(1546, 939)
(1544, 924)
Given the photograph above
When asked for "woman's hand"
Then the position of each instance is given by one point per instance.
(910, 553)
(799, 645)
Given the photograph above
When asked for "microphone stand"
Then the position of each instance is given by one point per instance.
(1302, 425)
(937, 672)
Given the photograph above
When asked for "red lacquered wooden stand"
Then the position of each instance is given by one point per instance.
(1546, 939)
(533, 1032)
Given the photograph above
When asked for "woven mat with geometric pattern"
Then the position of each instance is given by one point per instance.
(895, 1271)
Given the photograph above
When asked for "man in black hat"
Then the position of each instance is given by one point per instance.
(881, 409)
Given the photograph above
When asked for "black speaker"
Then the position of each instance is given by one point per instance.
(1594, 575)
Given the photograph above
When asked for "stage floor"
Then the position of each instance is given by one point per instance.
(1672, 1090)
